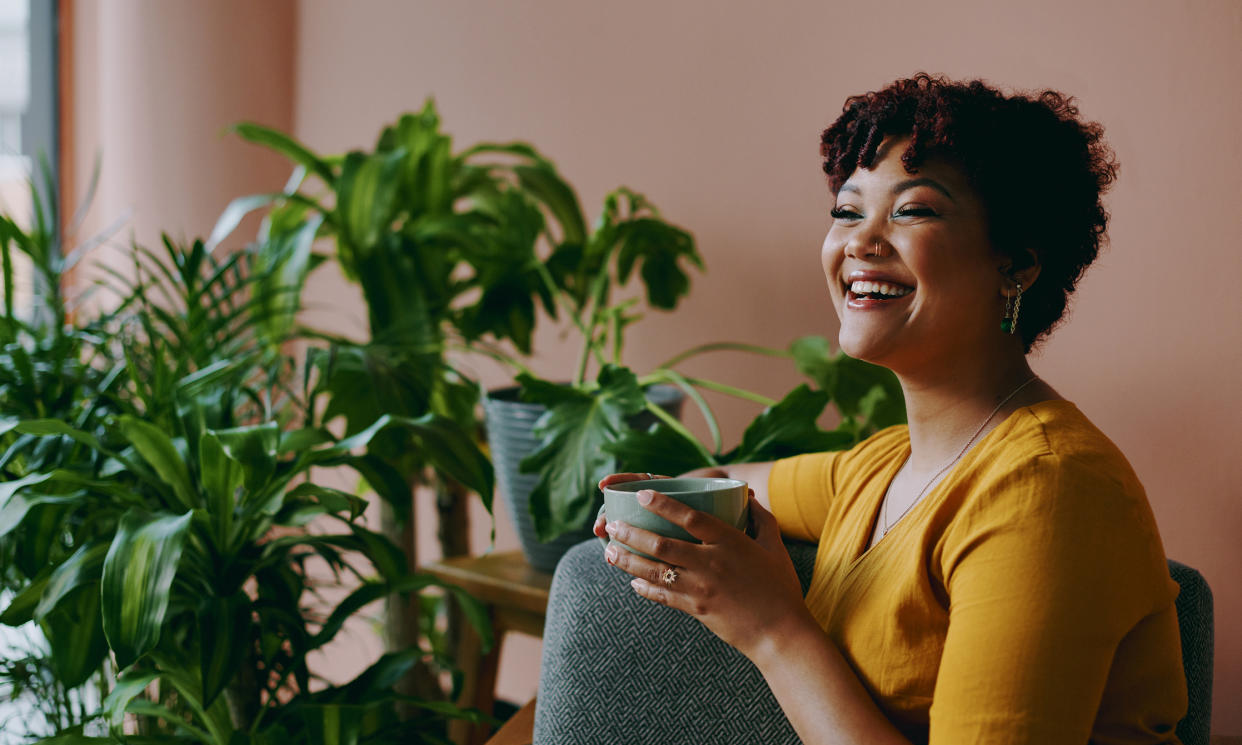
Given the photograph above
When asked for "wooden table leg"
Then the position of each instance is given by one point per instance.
(478, 690)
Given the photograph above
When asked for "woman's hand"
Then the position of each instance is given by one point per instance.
(620, 478)
(745, 590)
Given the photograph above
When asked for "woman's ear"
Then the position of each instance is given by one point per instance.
(1024, 272)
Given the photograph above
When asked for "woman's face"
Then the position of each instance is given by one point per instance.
(912, 274)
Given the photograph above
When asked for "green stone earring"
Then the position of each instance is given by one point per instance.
(1009, 323)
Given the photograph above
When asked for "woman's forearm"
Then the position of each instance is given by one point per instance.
(754, 474)
(818, 690)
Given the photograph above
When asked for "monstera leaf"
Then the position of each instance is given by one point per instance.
(660, 449)
(788, 429)
(572, 458)
(866, 395)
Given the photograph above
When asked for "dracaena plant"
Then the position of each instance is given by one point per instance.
(161, 513)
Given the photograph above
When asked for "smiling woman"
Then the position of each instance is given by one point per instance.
(992, 572)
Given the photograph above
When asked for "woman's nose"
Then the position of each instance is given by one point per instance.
(867, 246)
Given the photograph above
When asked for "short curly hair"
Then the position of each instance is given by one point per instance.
(1039, 170)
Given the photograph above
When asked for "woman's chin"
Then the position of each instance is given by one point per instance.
(861, 346)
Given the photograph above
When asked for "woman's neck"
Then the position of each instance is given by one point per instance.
(947, 409)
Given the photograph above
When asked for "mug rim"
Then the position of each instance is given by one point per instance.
(707, 484)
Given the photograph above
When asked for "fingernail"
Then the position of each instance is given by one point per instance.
(610, 554)
(645, 496)
(638, 584)
(611, 527)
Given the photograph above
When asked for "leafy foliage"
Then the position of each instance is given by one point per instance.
(575, 429)
(155, 478)
(580, 446)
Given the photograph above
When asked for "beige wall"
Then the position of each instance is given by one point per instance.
(714, 111)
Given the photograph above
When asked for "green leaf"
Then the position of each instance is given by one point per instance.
(233, 214)
(157, 449)
(128, 685)
(137, 578)
(21, 609)
(76, 637)
(145, 708)
(789, 428)
(220, 476)
(443, 442)
(49, 427)
(82, 567)
(572, 458)
(254, 448)
(545, 184)
(366, 196)
(660, 248)
(850, 382)
(659, 450)
(332, 500)
(13, 505)
(281, 265)
(287, 147)
(225, 637)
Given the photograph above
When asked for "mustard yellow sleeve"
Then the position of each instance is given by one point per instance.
(1047, 576)
(800, 489)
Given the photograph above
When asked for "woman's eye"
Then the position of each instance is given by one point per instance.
(915, 212)
(844, 213)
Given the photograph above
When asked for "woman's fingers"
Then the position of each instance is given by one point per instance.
(668, 550)
(598, 528)
(767, 529)
(707, 528)
(621, 478)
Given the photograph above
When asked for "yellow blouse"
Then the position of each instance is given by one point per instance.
(1025, 599)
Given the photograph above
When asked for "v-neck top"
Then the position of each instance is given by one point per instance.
(1025, 599)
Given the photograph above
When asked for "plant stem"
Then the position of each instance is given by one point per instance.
(680, 429)
(729, 346)
(588, 342)
(729, 390)
(677, 379)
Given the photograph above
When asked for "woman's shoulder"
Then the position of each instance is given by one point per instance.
(1050, 459)
(1054, 438)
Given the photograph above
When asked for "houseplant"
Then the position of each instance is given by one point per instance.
(440, 244)
(156, 514)
(584, 267)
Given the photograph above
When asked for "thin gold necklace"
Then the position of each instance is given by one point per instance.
(887, 525)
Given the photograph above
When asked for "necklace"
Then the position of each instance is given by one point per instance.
(888, 525)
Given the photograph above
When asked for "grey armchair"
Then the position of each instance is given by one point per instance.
(617, 668)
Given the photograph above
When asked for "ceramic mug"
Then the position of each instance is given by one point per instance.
(726, 499)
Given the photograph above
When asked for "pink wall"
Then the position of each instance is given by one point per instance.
(155, 85)
(714, 111)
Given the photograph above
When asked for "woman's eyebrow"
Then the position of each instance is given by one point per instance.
(911, 183)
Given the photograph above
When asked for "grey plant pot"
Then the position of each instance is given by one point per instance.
(511, 437)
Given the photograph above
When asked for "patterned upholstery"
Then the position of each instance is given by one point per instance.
(1194, 617)
(619, 668)
(606, 650)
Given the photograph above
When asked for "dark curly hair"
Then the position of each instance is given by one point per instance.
(1039, 170)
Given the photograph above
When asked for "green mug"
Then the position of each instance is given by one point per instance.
(727, 499)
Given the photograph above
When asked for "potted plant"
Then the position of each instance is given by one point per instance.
(155, 504)
(545, 435)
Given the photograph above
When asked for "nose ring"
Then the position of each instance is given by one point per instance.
(876, 251)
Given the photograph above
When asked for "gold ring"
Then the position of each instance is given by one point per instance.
(669, 577)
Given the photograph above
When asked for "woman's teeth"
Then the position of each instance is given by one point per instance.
(879, 288)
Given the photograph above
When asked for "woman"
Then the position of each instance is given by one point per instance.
(991, 573)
